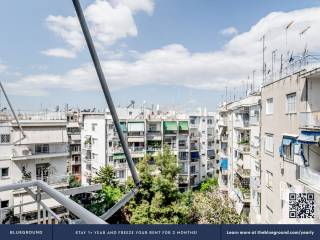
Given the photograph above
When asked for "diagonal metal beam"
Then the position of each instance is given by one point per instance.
(12, 110)
(105, 89)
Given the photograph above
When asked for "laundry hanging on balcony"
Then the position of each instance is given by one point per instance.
(224, 163)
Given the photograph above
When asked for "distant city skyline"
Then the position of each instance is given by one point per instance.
(179, 54)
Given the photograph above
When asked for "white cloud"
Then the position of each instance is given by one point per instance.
(176, 65)
(109, 21)
(229, 31)
(59, 52)
(3, 68)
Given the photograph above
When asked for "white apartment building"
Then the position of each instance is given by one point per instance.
(190, 138)
(238, 150)
(290, 153)
(41, 154)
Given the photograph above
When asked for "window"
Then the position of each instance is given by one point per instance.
(269, 179)
(287, 151)
(121, 174)
(268, 146)
(193, 169)
(210, 121)
(4, 172)
(4, 204)
(42, 148)
(5, 138)
(93, 126)
(269, 106)
(291, 103)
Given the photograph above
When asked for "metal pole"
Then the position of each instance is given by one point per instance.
(11, 108)
(105, 89)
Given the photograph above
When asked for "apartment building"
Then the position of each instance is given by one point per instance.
(189, 137)
(41, 154)
(74, 123)
(238, 139)
(290, 152)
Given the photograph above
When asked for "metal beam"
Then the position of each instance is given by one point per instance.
(77, 190)
(76, 209)
(12, 110)
(119, 204)
(34, 196)
(105, 89)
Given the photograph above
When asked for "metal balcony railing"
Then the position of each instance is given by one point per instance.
(309, 120)
(310, 177)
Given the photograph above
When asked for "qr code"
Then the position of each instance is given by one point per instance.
(301, 205)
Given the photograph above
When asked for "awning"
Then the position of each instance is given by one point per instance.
(287, 141)
(170, 126)
(224, 163)
(123, 127)
(118, 156)
(309, 137)
(136, 127)
(183, 126)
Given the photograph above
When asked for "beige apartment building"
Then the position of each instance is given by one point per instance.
(290, 152)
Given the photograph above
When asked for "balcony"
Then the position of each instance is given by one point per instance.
(309, 120)
(310, 177)
(154, 135)
(223, 122)
(256, 183)
(224, 138)
(24, 153)
(244, 147)
(242, 123)
(244, 173)
(76, 162)
(120, 166)
(243, 193)
(87, 146)
(151, 148)
(224, 172)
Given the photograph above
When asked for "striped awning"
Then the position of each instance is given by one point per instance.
(170, 125)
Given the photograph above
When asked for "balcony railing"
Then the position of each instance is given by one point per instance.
(153, 148)
(244, 147)
(243, 123)
(309, 119)
(310, 177)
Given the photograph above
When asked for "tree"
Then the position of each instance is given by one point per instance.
(158, 199)
(106, 175)
(208, 184)
(102, 200)
(211, 207)
(73, 182)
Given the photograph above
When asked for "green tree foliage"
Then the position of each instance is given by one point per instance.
(104, 199)
(73, 182)
(158, 199)
(208, 184)
(210, 207)
(106, 176)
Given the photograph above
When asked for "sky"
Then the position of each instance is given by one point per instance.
(180, 54)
